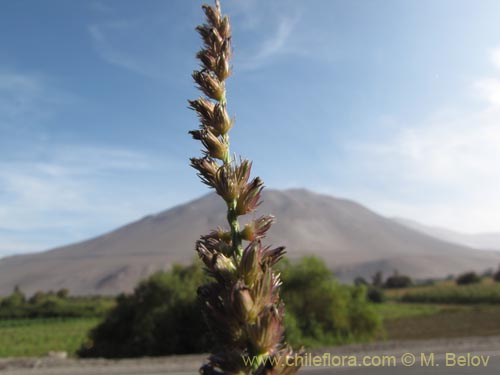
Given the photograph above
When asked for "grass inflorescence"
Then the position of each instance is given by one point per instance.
(242, 304)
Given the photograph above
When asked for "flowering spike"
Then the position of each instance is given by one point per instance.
(242, 304)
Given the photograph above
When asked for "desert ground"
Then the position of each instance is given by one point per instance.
(187, 365)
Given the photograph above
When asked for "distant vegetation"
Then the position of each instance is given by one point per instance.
(162, 316)
(467, 288)
(52, 305)
(398, 281)
(496, 276)
(374, 291)
(455, 294)
(375, 295)
(378, 279)
(468, 278)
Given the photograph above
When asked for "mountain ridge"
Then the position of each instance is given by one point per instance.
(353, 241)
(482, 240)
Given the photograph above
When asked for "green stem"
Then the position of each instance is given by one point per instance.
(260, 358)
(232, 217)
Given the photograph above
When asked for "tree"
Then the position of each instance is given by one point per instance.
(398, 281)
(37, 298)
(375, 295)
(62, 293)
(378, 279)
(16, 299)
(325, 312)
(468, 278)
(161, 317)
(164, 317)
(496, 276)
(360, 281)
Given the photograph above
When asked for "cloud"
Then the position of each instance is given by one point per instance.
(489, 90)
(102, 37)
(445, 168)
(53, 193)
(27, 102)
(100, 7)
(449, 149)
(61, 179)
(263, 32)
(145, 44)
(267, 31)
(71, 192)
(277, 44)
(85, 160)
(22, 99)
(495, 57)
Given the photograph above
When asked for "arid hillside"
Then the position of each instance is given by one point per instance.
(352, 239)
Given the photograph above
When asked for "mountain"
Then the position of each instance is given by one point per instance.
(489, 241)
(352, 240)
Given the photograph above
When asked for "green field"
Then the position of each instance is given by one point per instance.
(443, 309)
(409, 321)
(401, 321)
(391, 311)
(36, 337)
(486, 292)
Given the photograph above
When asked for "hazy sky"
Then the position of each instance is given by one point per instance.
(395, 104)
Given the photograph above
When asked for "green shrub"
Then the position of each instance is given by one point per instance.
(14, 301)
(161, 317)
(37, 298)
(496, 276)
(360, 281)
(468, 278)
(375, 295)
(325, 312)
(378, 279)
(398, 281)
(62, 293)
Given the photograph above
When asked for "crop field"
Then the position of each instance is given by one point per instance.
(401, 321)
(486, 292)
(391, 311)
(409, 321)
(36, 337)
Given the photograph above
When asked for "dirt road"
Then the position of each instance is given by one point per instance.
(430, 357)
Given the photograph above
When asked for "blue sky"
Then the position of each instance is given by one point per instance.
(395, 104)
